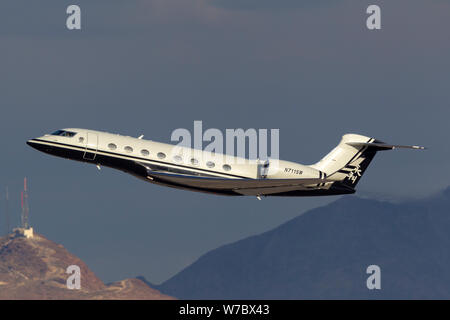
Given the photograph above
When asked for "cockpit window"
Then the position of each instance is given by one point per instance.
(64, 133)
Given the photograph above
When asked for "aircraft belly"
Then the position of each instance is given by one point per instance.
(267, 191)
(275, 190)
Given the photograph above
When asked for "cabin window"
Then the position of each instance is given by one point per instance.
(226, 167)
(80, 139)
(161, 155)
(177, 158)
(145, 152)
(128, 149)
(64, 133)
(112, 146)
(194, 161)
(210, 164)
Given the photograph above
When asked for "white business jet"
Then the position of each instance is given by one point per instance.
(179, 167)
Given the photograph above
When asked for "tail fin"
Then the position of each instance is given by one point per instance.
(348, 161)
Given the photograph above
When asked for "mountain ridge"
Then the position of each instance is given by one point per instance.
(324, 254)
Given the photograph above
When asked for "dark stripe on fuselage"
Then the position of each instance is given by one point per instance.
(128, 166)
(334, 190)
(135, 158)
(139, 170)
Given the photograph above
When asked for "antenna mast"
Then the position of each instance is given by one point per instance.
(24, 203)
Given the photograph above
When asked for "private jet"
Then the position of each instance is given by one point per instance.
(196, 170)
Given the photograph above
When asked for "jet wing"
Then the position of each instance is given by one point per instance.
(253, 186)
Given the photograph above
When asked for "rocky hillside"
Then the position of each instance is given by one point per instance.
(35, 268)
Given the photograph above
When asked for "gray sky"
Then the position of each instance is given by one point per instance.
(309, 68)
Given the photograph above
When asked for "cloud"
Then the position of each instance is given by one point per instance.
(102, 17)
(270, 4)
(48, 17)
(179, 9)
(150, 66)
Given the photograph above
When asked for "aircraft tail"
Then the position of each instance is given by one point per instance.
(348, 161)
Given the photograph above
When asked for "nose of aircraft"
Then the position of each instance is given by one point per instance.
(36, 144)
(41, 143)
(31, 143)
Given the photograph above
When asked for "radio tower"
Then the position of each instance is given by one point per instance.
(25, 208)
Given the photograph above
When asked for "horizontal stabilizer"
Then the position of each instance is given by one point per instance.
(382, 146)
